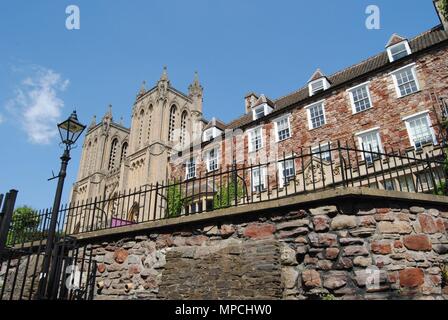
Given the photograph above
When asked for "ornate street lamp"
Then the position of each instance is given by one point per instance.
(70, 130)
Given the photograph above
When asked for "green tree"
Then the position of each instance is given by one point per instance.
(226, 194)
(25, 222)
(444, 8)
(174, 202)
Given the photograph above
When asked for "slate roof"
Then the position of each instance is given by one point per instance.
(417, 44)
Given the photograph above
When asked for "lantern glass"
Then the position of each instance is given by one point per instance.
(71, 129)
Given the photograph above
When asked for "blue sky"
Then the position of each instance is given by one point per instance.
(269, 47)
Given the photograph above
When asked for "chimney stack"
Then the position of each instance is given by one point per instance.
(249, 100)
(442, 11)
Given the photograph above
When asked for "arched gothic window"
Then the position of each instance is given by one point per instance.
(183, 127)
(149, 123)
(172, 123)
(113, 154)
(140, 130)
(124, 150)
(93, 155)
(88, 158)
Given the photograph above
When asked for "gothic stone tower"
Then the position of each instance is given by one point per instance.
(102, 159)
(164, 120)
(116, 159)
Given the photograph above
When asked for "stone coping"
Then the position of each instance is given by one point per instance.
(257, 207)
(322, 196)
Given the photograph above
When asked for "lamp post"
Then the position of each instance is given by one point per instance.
(70, 130)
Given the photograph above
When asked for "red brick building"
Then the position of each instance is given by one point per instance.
(392, 102)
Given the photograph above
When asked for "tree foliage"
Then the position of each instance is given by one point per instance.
(24, 226)
(443, 6)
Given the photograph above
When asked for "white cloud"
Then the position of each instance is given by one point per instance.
(37, 106)
(1, 118)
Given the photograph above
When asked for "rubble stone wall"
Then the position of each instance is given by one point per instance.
(355, 249)
(340, 248)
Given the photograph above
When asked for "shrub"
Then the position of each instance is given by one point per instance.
(174, 202)
(226, 194)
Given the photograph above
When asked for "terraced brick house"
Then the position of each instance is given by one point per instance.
(372, 124)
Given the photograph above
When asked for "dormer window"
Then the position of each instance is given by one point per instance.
(262, 107)
(259, 112)
(319, 85)
(208, 135)
(399, 51)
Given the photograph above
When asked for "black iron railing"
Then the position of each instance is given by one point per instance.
(72, 276)
(331, 166)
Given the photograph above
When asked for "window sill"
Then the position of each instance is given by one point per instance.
(360, 112)
(409, 95)
(322, 126)
(286, 139)
(255, 151)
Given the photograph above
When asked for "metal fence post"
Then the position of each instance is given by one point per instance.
(1, 208)
(6, 220)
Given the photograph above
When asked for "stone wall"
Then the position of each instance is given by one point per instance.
(325, 252)
(338, 247)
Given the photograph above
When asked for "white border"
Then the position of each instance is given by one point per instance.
(325, 83)
(316, 148)
(411, 66)
(308, 113)
(195, 168)
(360, 134)
(276, 121)
(279, 168)
(352, 100)
(207, 158)
(389, 50)
(263, 173)
(249, 137)
(428, 119)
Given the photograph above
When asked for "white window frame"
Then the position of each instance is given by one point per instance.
(266, 110)
(325, 84)
(249, 136)
(428, 119)
(315, 150)
(308, 112)
(276, 121)
(280, 169)
(213, 131)
(389, 50)
(352, 99)
(411, 66)
(263, 171)
(187, 166)
(359, 135)
(208, 159)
